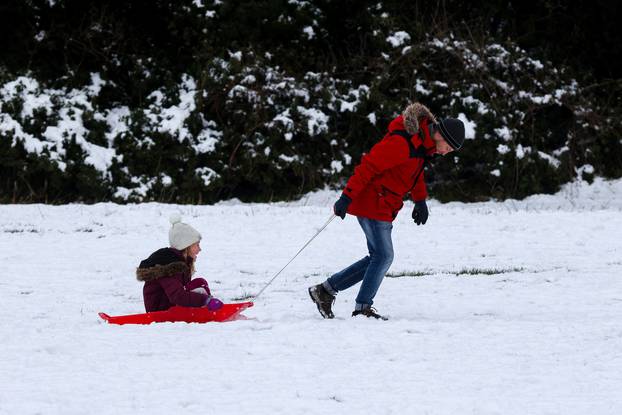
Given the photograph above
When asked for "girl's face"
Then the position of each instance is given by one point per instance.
(194, 249)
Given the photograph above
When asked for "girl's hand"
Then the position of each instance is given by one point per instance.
(213, 304)
(198, 285)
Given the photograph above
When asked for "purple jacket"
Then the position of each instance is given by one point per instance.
(166, 274)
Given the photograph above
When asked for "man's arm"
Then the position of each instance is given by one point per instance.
(419, 191)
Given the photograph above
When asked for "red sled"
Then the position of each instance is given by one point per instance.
(228, 312)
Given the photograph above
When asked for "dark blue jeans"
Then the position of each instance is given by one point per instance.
(370, 269)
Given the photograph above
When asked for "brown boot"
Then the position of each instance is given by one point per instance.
(323, 300)
(369, 312)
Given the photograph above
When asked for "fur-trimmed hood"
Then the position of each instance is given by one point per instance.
(164, 262)
(159, 271)
(414, 114)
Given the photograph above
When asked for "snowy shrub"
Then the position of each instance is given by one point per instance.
(530, 123)
(198, 101)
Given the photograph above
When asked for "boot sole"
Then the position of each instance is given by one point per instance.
(317, 304)
(379, 317)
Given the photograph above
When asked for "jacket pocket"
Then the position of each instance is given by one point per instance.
(390, 201)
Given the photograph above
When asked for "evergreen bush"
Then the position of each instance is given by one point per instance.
(197, 101)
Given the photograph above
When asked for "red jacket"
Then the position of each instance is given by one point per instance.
(389, 171)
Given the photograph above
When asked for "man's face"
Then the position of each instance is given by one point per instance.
(442, 147)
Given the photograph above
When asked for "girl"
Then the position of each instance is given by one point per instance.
(167, 272)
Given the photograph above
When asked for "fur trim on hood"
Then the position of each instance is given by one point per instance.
(414, 114)
(159, 271)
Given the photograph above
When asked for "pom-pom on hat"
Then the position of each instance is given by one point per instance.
(182, 235)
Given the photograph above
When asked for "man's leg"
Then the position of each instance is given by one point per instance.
(380, 258)
(323, 295)
(347, 277)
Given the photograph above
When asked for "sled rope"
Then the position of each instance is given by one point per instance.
(333, 216)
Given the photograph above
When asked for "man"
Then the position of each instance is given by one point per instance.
(374, 194)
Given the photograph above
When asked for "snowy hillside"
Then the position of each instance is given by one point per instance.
(495, 308)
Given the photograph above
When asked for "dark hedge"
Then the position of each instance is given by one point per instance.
(199, 101)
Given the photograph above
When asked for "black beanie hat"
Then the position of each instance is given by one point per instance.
(452, 131)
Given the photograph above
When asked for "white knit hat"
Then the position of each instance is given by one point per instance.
(182, 235)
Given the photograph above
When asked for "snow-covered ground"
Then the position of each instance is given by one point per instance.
(495, 308)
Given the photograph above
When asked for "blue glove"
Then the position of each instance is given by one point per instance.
(420, 212)
(341, 206)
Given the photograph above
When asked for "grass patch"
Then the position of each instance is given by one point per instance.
(243, 297)
(464, 271)
(409, 274)
(20, 230)
(488, 271)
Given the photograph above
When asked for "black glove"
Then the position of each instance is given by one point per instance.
(341, 206)
(420, 212)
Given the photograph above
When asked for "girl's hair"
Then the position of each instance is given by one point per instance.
(186, 253)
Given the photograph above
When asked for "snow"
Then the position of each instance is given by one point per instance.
(552, 160)
(372, 118)
(586, 168)
(283, 118)
(118, 120)
(31, 144)
(469, 127)
(521, 151)
(533, 328)
(309, 32)
(502, 85)
(503, 149)
(298, 3)
(172, 119)
(166, 179)
(249, 80)
(236, 55)
(290, 159)
(27, 89)
(535, 63)
(482, 108)
(208, 138)
(207, 175)
(70, 125)
(397, 39)
(73, 104)
(96, 85)
(505, 133)
(546, 99)
(336, 166)
(420, 88)
(143, 185)
(361, 92)
(317, 120)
